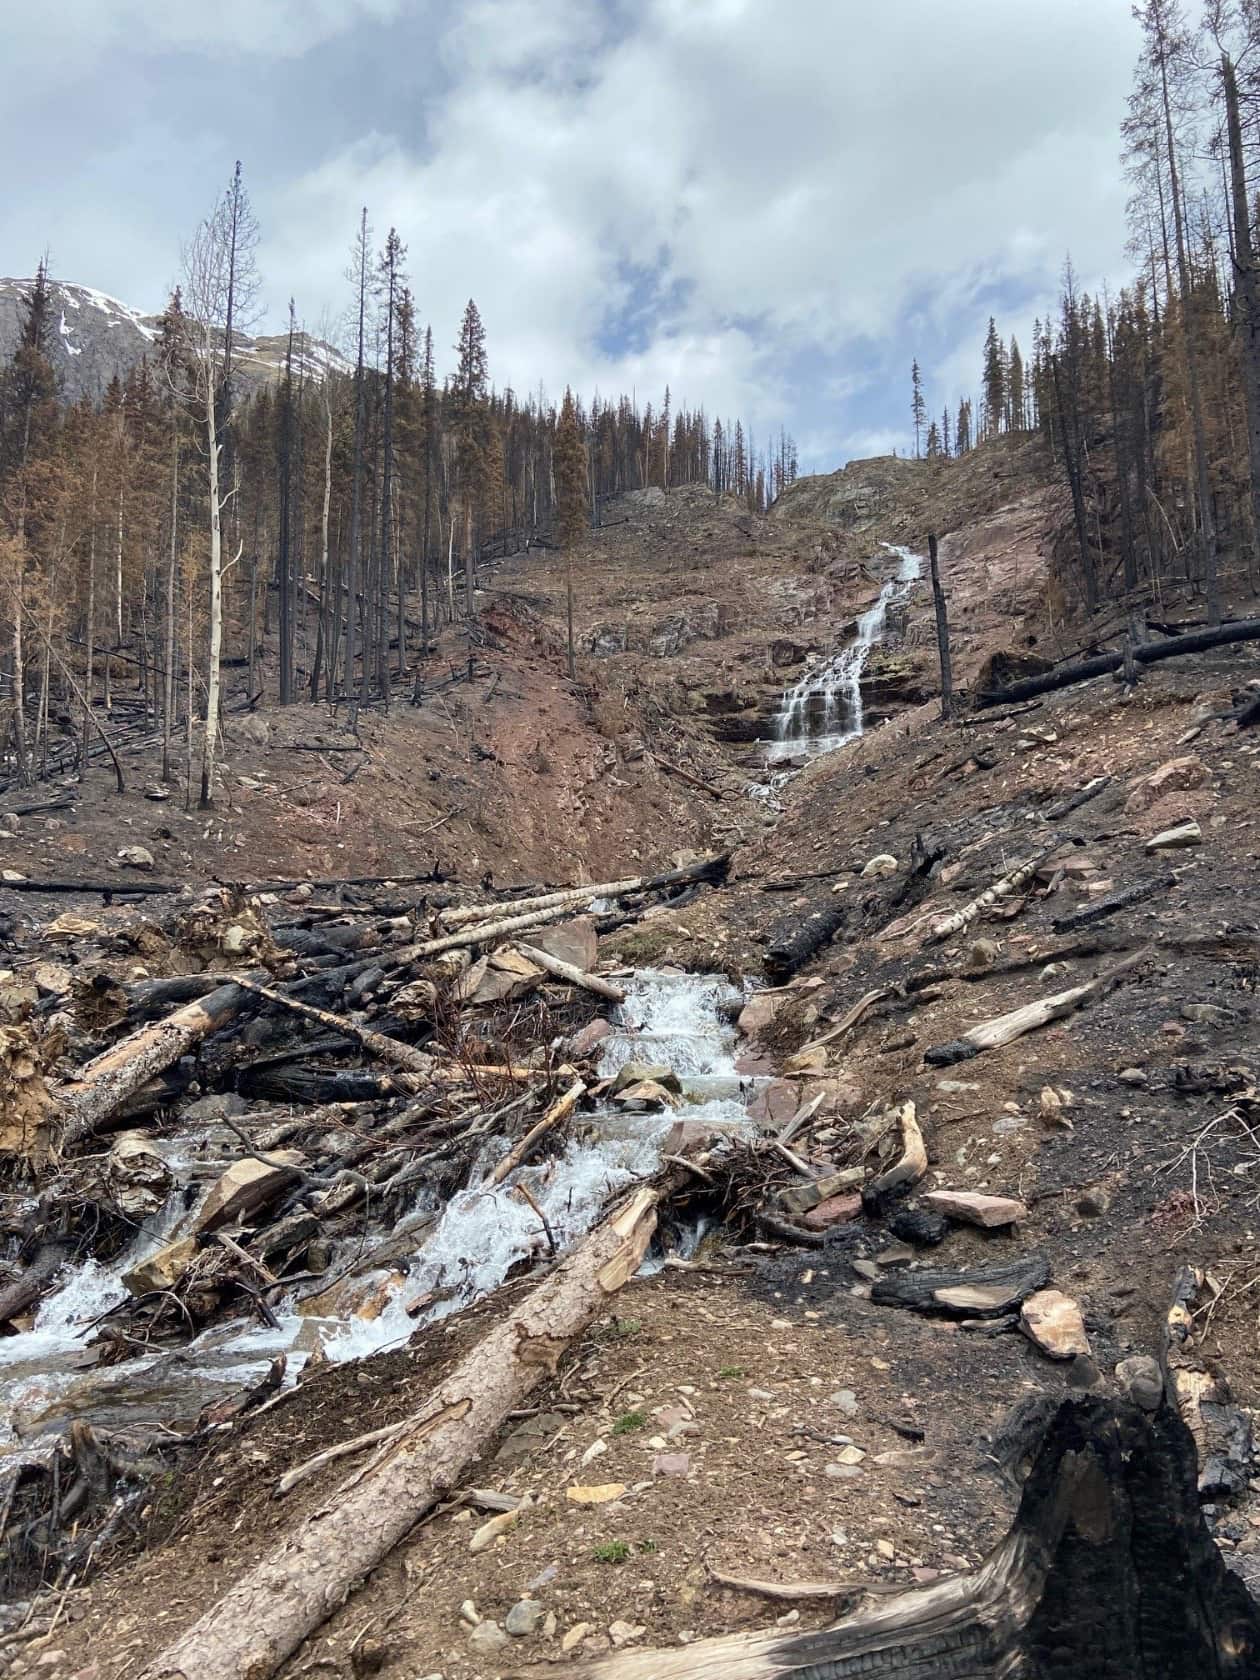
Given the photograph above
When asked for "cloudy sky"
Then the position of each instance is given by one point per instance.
(770, 205)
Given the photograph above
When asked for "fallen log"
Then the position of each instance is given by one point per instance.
(981, 1292)
(1005, 1029)
(1108, 1572)
(121, 888)
(1009, 884)
(29, 1284)
(1108, 906)
(1074, 801)
(392, 1051)
(106, 1082)
(909, 1167)
(1150, 653)
(310, 1571)
(571, 973)
(711, 868)
(794, 939)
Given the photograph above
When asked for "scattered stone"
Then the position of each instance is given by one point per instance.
(600, 1495)
(586, 1042)
(468, 1613)
(1207, 1014)
(625, 1633)
(1054, 1105)
(758, 1014)
(882, 864)
(136, 857)
(488, 1638)
(973, 1208)
(850, 1455)
(644, 1093)
(671, 1464)
(886, 1549)
(573, 942)
(1134, 1076)
(162, 1270)
(1185, 834)
(982, 954)
(834, 1210)
(574, 1636)
(523, 1618)
(812, 1060)
(1142, 1380)
(1178, 775)
(1053, 1322)
(646, 1073)
(1094, 1202)
(157, 793)
(844, 1400)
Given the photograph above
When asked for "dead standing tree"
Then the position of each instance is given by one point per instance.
(220, 290)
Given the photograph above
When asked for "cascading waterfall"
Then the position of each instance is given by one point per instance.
(824, 709)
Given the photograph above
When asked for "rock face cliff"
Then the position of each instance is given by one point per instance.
(94, 337)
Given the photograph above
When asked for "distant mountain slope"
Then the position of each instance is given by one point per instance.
(95, 337)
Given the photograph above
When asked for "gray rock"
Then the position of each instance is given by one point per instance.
(488, 1638)
(1172, 839)
(1141, 1380)
(844, 1400)
(523, 1618)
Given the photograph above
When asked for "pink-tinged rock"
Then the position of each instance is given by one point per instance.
(573, 942)
(1053, 1322)
(592, 1035)
(1177, 776)
(671, 1464)
(842, 1097)
(836, 1210)
(775, 1105)
(974, 1208)
(757, 1015)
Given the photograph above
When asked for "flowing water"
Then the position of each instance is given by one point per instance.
(48, 1374)
(824, 709)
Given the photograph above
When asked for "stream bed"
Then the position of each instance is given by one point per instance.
(464, 1250)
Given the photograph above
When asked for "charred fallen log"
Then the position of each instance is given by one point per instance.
(1202, 641)
(796, 937)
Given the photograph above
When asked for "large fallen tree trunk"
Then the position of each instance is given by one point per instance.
(1150, 653)
(303, 1579)
(1108, 1573)
(103, 1085)
(796, 937)
(572, 974)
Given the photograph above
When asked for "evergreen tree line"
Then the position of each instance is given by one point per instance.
(1149, 401)
(314, 532)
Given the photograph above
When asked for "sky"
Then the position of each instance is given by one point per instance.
(770, 206)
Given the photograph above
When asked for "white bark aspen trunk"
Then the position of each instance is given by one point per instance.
(210, 741)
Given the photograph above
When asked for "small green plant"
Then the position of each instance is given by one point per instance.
(628, 1422)
(611, 1551)
(731, 1371)
(628, 1326)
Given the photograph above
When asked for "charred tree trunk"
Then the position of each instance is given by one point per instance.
(1108, 1573)
(1151, 653)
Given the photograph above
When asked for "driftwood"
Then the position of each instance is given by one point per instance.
(1150, 653)
(909, 1167)
(1005, 1029)
(309, 1572)
(105, 1083)
(1107, 1573)
(572, 974)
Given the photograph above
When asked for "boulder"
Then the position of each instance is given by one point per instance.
(162, 1270)
(591, 1036)
(641, 1073)
(136, 857)
(974, 1208)
(758, 1014)
(644, 1093)
(246, 1187)
(573, 942)
(1053, 1322)
(1178, 775)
